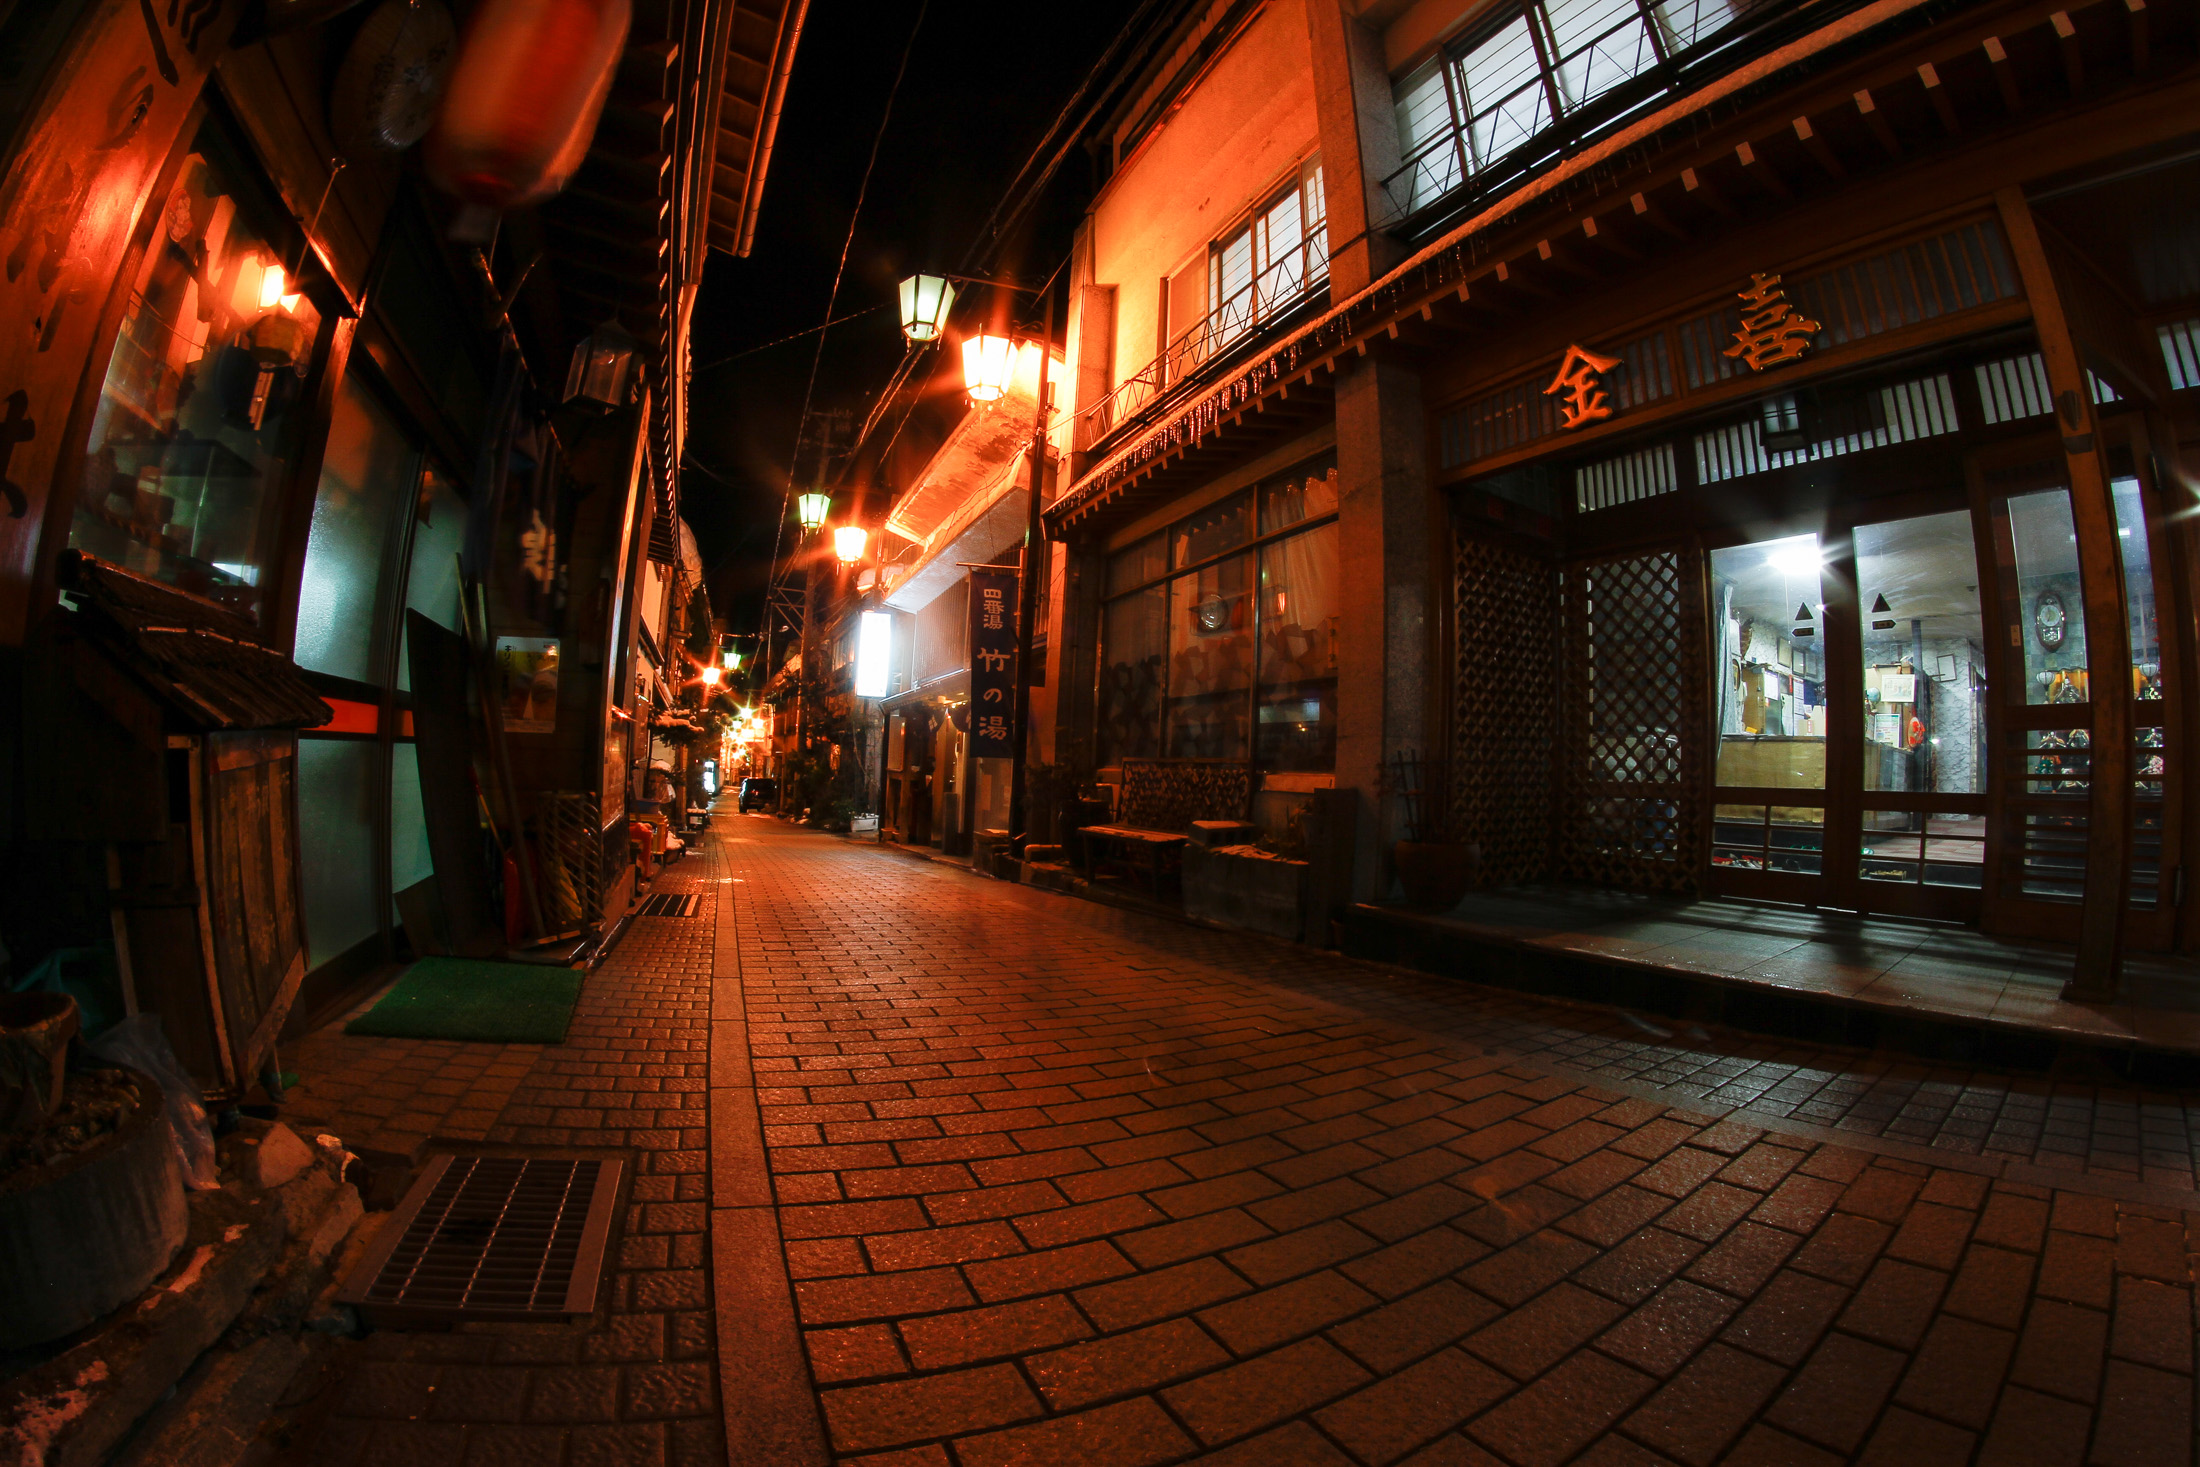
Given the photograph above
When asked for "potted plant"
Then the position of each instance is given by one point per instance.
(1434, 869)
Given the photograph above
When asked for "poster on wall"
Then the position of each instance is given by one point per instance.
(529, 666)
(992, 662)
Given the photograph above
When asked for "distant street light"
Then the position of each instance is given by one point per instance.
(811, 509)
(925, 302)
(709, 677)
(849, 542)
(988, 363)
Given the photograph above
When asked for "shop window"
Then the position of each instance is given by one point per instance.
(1235, 655)
(410, 860)
(1296, 718)
(336, 820)
(431, 585)
(1216, 530)
(200, 415)
(1308, 493)
(369, 474)
(1769, 622)
(2046, 614)
(1210, 660)
(1925, 677)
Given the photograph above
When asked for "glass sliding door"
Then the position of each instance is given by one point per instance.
(1769, 689)
(1921, 721)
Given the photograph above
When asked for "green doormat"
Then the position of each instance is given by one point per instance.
(465, 998)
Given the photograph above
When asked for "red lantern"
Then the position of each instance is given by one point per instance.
(521, 104)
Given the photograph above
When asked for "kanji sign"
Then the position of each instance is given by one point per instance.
(992, 662)
(1773, 331)
(1579, 377)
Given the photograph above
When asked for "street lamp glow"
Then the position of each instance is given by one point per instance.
(848, 543)
(925, 302)
(272, 287)
(811, 510)
(710, 676)
(988, 361)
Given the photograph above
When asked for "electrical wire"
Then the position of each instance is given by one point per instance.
(792, 336)
(832, 299)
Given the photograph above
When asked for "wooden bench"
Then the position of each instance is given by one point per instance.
(1159, 802)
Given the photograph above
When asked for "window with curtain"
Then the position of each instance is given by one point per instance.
(1226, 647)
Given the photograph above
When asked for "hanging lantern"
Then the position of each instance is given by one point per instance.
(811, 510)
(520, 107)
(848, 543)
(988, 360)
(603, 365)
(925, 302)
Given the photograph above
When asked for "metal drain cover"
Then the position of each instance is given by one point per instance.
(491, 1237)
(669, 905)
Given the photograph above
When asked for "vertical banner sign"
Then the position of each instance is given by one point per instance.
(992, 662)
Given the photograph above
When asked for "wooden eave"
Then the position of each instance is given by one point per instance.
(1742, 147)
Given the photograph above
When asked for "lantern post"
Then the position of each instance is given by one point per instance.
(1027, 594)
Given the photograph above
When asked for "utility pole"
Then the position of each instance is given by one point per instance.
(1035, 565)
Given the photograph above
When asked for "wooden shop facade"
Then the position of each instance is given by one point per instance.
(341, 540)
(1774, 465)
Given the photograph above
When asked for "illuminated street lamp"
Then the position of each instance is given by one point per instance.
(988, 363)
(811, 510)
(710, 676)
(925, 302)
(849, 542)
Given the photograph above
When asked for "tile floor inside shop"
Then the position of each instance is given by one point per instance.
(1950, 972)
(998, 1176)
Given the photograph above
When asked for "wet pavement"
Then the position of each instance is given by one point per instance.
(996, 1175)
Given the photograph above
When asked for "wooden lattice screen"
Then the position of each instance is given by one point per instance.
(1506, 629)
(1630, 763)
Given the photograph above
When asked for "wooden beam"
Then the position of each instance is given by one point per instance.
(1550, 256)
(2108, 663)
(1701, 190)
(1929, 76)
(2073, 56)
(2005, 75)
(1608, 239)
(1766, 175)
(1877, 121)
(1656, 218)
(1818, 148)
(2135, 21)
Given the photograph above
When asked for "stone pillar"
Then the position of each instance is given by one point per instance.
(1388, 596)
(1358, 123)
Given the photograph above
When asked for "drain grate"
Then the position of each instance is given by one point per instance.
(491, 1237)
(669, 905)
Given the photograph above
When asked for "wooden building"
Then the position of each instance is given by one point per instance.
(1759, 437)
(253, 365)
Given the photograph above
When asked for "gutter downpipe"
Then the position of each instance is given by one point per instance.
(782, 68)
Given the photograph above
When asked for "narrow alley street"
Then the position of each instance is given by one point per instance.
(992, 1175)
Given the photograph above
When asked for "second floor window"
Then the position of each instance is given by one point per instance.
(1269, 262)
(1517, 75)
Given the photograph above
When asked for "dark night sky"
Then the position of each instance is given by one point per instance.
(985, 80)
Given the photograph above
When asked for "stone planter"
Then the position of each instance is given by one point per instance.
(35, 1030)
(89, 1231)
(1245, 886)
(1436, 873)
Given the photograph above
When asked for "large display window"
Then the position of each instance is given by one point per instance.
(203, 410)
(1219, 634)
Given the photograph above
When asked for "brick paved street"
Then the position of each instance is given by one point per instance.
(1059, 1183)
(1000, 1176)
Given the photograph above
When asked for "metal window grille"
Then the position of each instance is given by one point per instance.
(1903, 413)
(1643, 474)
(2181, 352)
(1522, 413)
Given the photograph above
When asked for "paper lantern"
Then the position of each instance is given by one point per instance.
(521, 104)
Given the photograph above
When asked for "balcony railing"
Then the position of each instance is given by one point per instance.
(1551, 76)
(1277, 294)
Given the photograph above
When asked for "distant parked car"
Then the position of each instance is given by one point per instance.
(756, 792)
